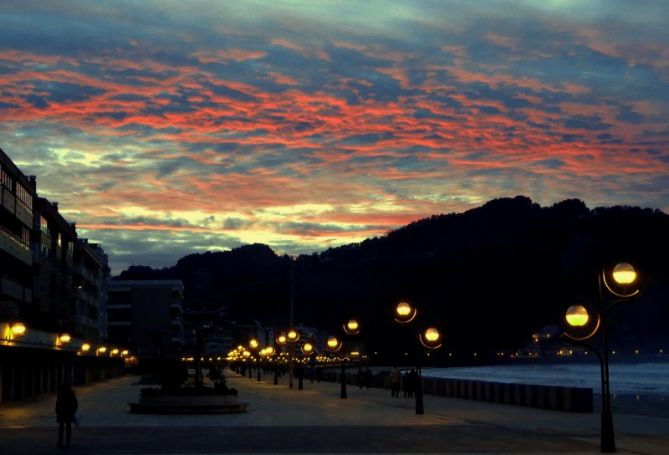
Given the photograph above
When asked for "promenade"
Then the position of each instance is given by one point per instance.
(316, 420)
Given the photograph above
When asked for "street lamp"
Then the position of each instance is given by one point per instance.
(15, 330)
(351, 327)
(582, 323)
(291, 337)
(429, 338)
(254, 344)
(405, 313)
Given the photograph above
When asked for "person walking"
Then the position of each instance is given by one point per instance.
(66, 407)
(394, 378)
(369, 379)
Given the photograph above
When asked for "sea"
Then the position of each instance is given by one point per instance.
(649, 378)
(636, 388)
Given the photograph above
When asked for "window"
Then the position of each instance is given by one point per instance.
(25, 236)
(7, 181)
(24, 196)
(59, 240)
(44, 225)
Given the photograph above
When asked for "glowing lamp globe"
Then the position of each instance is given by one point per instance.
(85, 347)
(18, 329)
(624, 274)
(124, 352)
(102, 349)
(246, 354)
(114, 351)
(432, 335)
(307, 348)
(254, 343)
(65, 338)
(333, 343)
(293, 335)
(577, 316)
(403, 309)
(281, 339)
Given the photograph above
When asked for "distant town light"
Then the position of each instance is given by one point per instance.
(254, 343)
(65, 338)
(85, 347)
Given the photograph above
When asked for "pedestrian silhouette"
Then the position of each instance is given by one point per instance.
(394, 378)
(66, 407)
(368, 378)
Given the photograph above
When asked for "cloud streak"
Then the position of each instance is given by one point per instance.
(305, 126)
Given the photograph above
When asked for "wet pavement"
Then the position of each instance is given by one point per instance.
(316, 420)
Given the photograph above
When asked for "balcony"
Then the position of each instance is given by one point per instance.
(11, 288)
(24, 214)
(12, 245)
(9, 200)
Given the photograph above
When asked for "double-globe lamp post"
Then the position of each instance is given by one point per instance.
(351, 327)
(583, 322)
(254, 344)
(289, 338)
(429, 338)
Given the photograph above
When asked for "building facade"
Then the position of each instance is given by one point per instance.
(17, 195)
(91, 275)
(147, 316)
(52, 295)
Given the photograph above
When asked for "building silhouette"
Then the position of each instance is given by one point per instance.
(146, 315)
(52, 295)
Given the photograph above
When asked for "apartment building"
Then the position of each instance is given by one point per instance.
(146, 315)
(54, 239)
(90, 276)
(17, 194)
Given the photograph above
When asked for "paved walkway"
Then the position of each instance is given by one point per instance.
(316, 420)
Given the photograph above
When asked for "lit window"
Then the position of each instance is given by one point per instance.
(44, 225)
(25, 236)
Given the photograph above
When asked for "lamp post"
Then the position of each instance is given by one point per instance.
(334, 345)
(351, 327)
(291, 337)
(254, 344)
(281, 341)
(13, 331)
(429, 338)
(582, 323)
(307, 350)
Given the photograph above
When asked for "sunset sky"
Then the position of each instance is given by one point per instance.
(169, 127)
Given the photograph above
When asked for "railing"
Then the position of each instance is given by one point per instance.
(13, 245)
(560, 398)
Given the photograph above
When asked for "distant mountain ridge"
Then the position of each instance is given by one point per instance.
(488, 277)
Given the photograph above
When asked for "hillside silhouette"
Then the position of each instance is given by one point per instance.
(488, 277)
